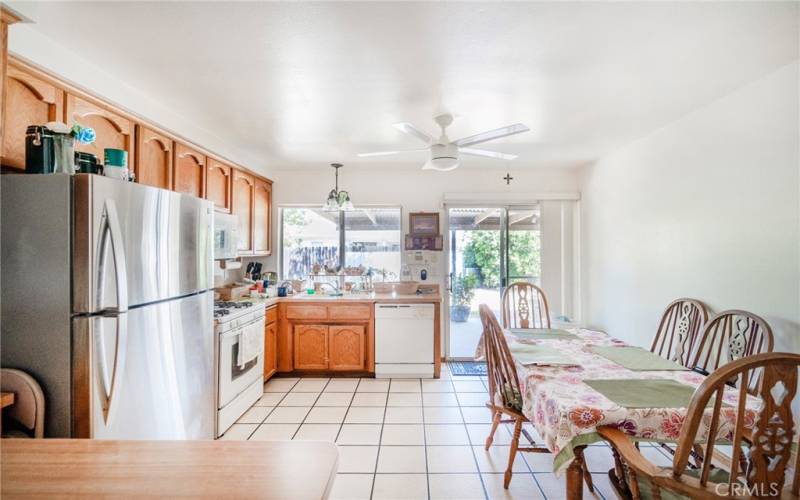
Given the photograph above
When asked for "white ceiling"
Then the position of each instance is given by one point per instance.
(304, 84)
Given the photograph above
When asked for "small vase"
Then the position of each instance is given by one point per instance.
(64, 153)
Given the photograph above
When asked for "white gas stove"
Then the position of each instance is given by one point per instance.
(240, 380)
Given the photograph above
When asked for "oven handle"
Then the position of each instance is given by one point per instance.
(236, 331)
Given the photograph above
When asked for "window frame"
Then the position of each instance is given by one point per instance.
(342, 231)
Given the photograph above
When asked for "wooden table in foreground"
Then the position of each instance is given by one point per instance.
(81, 468)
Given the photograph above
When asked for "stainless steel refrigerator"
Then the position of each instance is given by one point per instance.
(106, 301)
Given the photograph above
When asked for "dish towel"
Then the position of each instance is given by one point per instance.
(249, 343)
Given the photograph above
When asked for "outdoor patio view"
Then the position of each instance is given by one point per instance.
(480, 267)
(311, 237)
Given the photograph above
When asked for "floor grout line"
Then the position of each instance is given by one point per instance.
(472, 449)
(425, 443)
(442, 411)
(380, 438)
(310, 408)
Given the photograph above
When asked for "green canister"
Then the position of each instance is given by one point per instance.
(116, 157)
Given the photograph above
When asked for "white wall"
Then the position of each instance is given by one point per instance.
(706, 207)
(415, 190)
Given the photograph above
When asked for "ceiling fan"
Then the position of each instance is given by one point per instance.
(444, 153)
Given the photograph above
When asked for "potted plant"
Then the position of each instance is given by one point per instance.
(462, 294)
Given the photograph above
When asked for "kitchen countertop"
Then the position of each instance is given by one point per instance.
(88, 468)
(383, 298)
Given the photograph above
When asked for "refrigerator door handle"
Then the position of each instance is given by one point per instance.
(110, 229)
(109, 384)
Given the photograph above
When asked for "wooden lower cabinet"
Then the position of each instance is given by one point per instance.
(270, 350)
(346, 347)
(310, 347)
(324, 337)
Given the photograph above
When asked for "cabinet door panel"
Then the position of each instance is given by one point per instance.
(218, 185)
(189, 171)
(242, 206)
(153, 158)
(310, 347)
(262, 217)
(270, 350)
(29, 101)
(347, 347)
(114, 131)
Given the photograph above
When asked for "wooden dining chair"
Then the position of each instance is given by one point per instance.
(680, 326)
(732, 335)
(768, 439)
(27, 413)
(525, 306)
(505, 394)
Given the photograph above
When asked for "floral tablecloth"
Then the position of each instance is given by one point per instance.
(565, 411)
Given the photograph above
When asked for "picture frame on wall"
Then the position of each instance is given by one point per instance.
(424, 242)
(423, 223)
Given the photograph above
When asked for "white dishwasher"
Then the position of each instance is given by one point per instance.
(404, 340)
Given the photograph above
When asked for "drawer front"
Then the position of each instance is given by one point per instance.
(272, 314)
(306, 312)
(350, 311)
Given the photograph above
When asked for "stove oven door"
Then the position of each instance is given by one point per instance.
(233, 378)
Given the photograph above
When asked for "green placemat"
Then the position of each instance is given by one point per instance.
(528, 354)
(636, 358)
(644, 393)
(543, 334)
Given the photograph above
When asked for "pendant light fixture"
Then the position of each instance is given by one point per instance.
(337, 200)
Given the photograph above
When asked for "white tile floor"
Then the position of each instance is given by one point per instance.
(410, 438)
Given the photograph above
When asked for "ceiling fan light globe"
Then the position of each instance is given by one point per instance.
(441, 164)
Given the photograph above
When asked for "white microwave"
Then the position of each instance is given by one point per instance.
(226, 227)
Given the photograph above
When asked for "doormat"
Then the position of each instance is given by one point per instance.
(471, 368)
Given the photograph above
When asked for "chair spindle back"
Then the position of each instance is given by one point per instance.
(677, 333)
(773, 433)
(732, 335)
(525, 306)
(502, 372)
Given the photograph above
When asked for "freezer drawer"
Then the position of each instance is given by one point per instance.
(404, 333)
(147, 373)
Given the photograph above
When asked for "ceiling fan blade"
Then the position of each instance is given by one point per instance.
(491, 135)
(413, 131)
(488, 154)
(388, 153)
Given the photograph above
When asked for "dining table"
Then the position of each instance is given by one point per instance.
(575, 380)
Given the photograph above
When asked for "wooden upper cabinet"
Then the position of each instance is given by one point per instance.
(153, 158)
(242, 195)
(310, 347)
(347, 347)
(262, 217)
(218, 185)
(114, 131)
(189, 171)
(29, 101)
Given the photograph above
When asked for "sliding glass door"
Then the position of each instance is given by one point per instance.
(489, 247)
